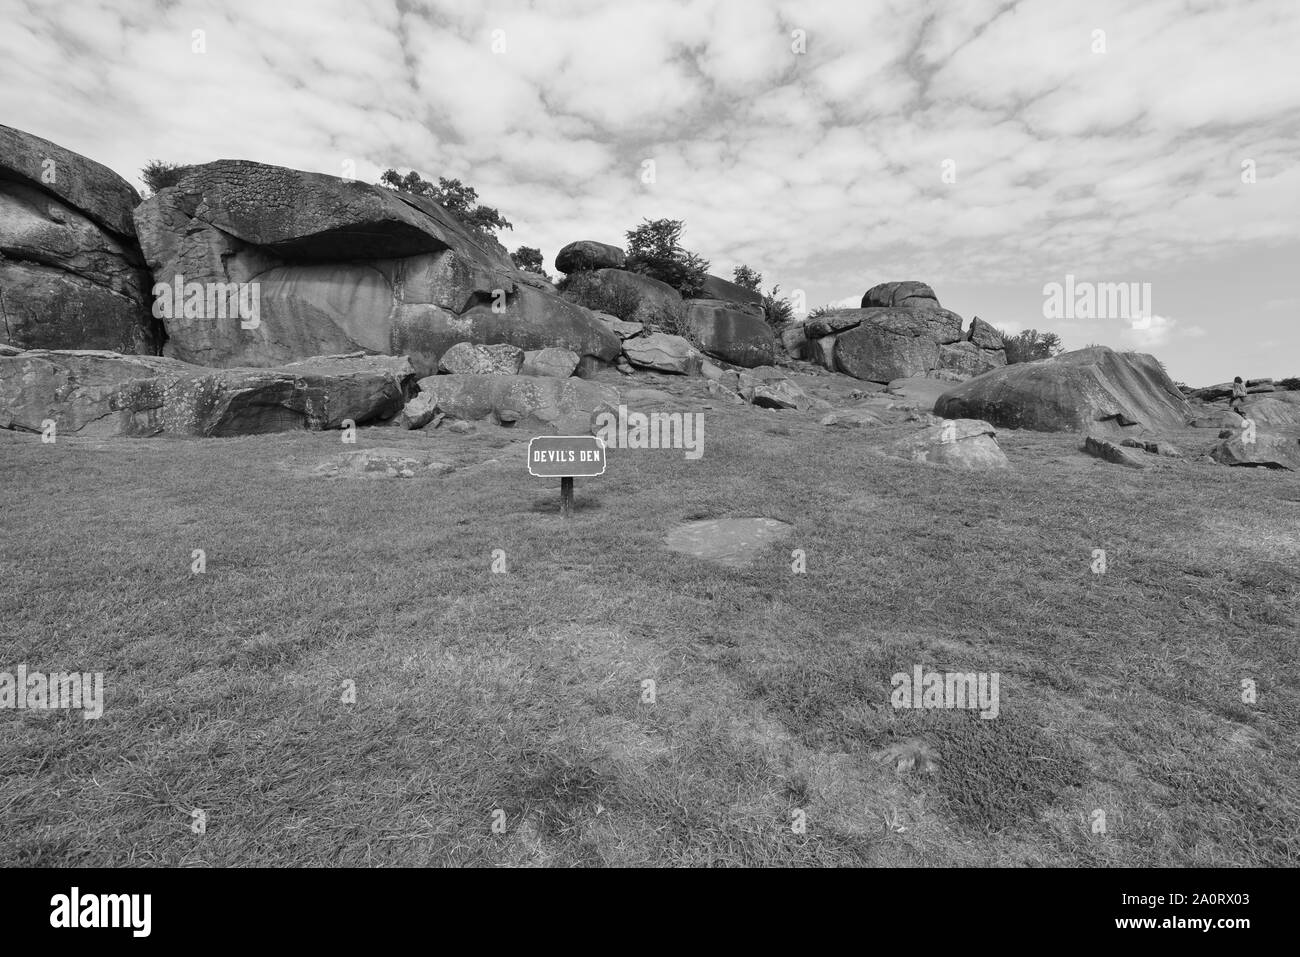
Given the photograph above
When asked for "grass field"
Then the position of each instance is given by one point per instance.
(516, 697)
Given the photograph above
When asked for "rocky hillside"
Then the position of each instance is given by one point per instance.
(249, 298)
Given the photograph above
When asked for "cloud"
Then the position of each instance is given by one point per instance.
(823, 169)
(1148, 332)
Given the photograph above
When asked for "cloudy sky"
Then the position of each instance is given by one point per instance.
(986, 148)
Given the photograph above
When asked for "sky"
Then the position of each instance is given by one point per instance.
(989, 149)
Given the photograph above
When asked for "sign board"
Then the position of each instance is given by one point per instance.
(566, 456)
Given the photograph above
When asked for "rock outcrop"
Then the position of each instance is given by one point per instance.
(341, 266)
(663, 353)
(1273, 414)
(105, 393)
(535, 403)
(1080, 391)
(900, 331)
(746, 300)
(730, 334)
(71, 272)
(1223, 390)
(891, 343)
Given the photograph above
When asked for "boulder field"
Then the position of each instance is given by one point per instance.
(249, 298)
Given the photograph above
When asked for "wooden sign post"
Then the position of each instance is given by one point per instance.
(566, 457)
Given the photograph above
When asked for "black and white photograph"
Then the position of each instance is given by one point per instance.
(650, 434)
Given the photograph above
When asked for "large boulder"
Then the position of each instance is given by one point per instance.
(1262, 450)
(1223, 390)
(834, 321)
(339, 265)
(961, 443)
(1075, 392)
(747, 300)
(467, 358)
(629, 295)
(769, 388)
(663, 353)
(104, 393)
(624, 330)
(71, 272)
(559, 363)
(534, 403)
(822, 351)
(78, 182)
(986, 337)
(904, 295)
(895, 343)
(968, 360)
(587, 254)
(794, 340)
(740, 338)
(1273, 414)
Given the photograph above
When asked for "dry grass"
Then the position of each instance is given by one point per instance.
(521, 692)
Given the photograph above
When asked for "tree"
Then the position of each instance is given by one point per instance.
(529, 259)
(747, 278)
(1030, 345)
(158, 175)
(454, 196)
(778, 311)
(654, 250)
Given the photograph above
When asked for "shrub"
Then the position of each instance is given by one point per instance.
(158, 175)
(822, 310)
(653, 250)
(1030, 345)
(778, 311)
(1291, 384)
(671, 318)
(529, 259)
(454, 196)
(586, 289)
(747, 278)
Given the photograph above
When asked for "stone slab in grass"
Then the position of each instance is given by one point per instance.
(382, 463)
(734, 542)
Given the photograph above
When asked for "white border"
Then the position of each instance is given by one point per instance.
(604, 455)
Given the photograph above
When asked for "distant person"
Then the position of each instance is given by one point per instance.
(1238, 402)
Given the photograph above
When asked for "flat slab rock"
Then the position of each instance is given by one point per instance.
(733, 542)
(382, 463)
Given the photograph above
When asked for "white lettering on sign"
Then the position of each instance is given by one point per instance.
(566, 455)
